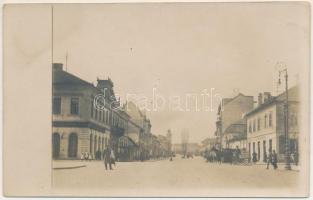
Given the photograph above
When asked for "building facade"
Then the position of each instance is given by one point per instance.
(230, 111)
(265, 125)
(88, 119)
(76, 128)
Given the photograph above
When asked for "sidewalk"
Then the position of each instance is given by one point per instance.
(280, 166)
(68, 164)
(74, 164)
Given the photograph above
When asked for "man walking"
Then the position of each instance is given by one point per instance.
(237, 154)
(274, 159)
(269, 159)
(107, 158)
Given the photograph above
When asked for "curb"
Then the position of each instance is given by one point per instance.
(74, 167)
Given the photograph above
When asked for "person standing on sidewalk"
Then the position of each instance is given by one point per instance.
(269, 159)
(107, 158)
(274, 159)
(112, 157)
(254, 159)
(296, 157)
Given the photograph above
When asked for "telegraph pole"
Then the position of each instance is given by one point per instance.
(287, 153)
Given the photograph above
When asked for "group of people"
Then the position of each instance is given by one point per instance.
(107, 155)
(271, 159)
(86, 156)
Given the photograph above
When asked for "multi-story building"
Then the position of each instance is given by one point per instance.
(231, 111)
(77, 126)
(81, 122)
(265, 124)
(140, 129)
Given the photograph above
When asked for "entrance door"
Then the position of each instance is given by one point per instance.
(55, 145)
(72, 145)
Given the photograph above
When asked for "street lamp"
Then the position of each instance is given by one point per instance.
(287, 153)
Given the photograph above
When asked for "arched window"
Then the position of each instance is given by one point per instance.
(72, 145)
(55, 145)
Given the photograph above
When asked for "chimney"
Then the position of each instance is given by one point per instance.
(267, 96)
(57, 66)
(102, 83)
(260, 99)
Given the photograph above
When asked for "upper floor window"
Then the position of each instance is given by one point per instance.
(91, 109)
(253, 125)
(74, 105)
(265, 121)
(270, 120)
(56, 105)
(96, 114)
(259, 124)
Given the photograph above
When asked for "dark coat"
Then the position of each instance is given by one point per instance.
(274, 158)
(106, 155)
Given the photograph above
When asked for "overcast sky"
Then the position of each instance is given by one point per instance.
(183, 48)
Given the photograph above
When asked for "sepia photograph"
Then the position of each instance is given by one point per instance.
(159, 99)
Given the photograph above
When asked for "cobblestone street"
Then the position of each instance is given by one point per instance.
(181, 175)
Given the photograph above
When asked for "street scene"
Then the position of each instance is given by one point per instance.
(163, 103)
(163, 174)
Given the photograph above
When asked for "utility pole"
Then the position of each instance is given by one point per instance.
(287, 153)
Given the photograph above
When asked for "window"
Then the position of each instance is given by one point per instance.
(96, 113)
(253, 125)
(259, 123)
(74, 105)
(91, 109)
(265, 121)
(270, 120)
(56, 104)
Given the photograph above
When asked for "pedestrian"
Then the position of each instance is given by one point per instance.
(274, 159)
(296, 157)
(254, 157)
(112, 157)
(269, 158)
(82, 157)
(86, 156)
(237, 154)
(89, 157)
(106, 158)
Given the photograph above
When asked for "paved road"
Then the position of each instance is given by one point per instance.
(182, 176)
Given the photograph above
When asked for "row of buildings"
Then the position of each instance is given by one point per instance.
(257, 127)
(79, 125)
